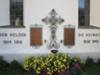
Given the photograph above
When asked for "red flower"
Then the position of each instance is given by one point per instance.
(77, 66)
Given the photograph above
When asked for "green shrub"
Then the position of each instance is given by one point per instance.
(33, 63)
(15, 65)
(98, 62)
(3, 64)
(56, 62)
(89, 62)
(13, 68)
(76, 60)
(51, 62)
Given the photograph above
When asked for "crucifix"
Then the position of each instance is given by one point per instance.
(53, 20)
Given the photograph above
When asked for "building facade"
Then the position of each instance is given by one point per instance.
(80, 22)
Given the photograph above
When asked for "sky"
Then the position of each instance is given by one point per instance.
(81, 3)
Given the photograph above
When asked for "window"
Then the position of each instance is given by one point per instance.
(16, 13)
(84, 12)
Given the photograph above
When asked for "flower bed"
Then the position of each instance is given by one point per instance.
(53, 64)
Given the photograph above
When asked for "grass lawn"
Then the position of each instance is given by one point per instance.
(93, 70)
(11, 72)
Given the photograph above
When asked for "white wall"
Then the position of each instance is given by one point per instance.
(35, 10)
(95, 12)
(4, 12)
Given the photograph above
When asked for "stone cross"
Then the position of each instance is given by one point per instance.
(53, 20)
